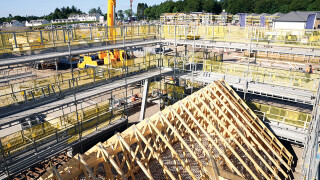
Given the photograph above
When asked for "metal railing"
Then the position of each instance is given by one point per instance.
(293, 118)
(54, 86)
(258, 35)
(311, 153)
(64, 128)
(42, 39)
(287, 78)
(292, 79)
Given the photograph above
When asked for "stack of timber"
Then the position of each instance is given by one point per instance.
(26, 43)
(211, 134)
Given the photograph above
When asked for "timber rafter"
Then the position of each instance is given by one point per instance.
(210, 134)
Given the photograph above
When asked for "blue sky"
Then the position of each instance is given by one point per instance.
(44, 7)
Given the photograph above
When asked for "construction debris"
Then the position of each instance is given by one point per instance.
(211, 134)
(39, 169)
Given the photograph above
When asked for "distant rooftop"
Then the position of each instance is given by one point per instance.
(84, 15)
(37, 21)
(278, 14)
(296, 16)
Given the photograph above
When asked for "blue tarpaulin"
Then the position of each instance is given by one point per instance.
(262, 21)
(242, 20)
(310, 21)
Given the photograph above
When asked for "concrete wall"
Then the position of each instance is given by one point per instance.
(289, 25)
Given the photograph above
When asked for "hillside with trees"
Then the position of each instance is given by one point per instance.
(209, 6)
(58, 13)
(231, 6)
(63, 13)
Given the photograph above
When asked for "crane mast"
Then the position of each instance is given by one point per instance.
(111, 18)
(131, 11)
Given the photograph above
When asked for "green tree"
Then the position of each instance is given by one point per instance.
(127, 12)
(19, 18)
(240, 6)
(299, 5)
(263, 6)
(175, 10)
(211, 6)
(58, 13)
(314, 6)
(154, 12)
(193, 6)
(73, 9)
(93, 11)
(140, 10)
(224, 4)
(99, 10)
(147, 13)
(120, 14)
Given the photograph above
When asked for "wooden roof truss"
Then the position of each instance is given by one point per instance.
(209, 134)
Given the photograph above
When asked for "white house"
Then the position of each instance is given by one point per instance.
(13, 23)
(64, 20)
(37, 22)
(101, 19)
(297, 20)
(85, 17)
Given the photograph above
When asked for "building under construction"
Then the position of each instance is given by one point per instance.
(166, 101)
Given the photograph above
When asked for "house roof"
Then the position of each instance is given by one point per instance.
(253, 14)
(278, 14)
(296, 16)
(77, 15)
(94, 14)
(224, 13)
(84, 15)
(265, 14)
(37, 21)
(15, 21)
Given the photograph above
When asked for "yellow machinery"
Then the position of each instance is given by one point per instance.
(86, 60)
(90, 60)
(119, 58)
(191, 37)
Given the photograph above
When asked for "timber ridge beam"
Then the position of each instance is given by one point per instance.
(207, 135)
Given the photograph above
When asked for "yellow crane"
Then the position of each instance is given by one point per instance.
(115, 57)
(110, 18)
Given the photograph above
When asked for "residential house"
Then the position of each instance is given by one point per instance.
(37, 22)
(187, 18)
(13, 23)
(85, 17)
(298, 20)
(64, 20)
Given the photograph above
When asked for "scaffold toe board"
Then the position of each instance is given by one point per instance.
(211, 134)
